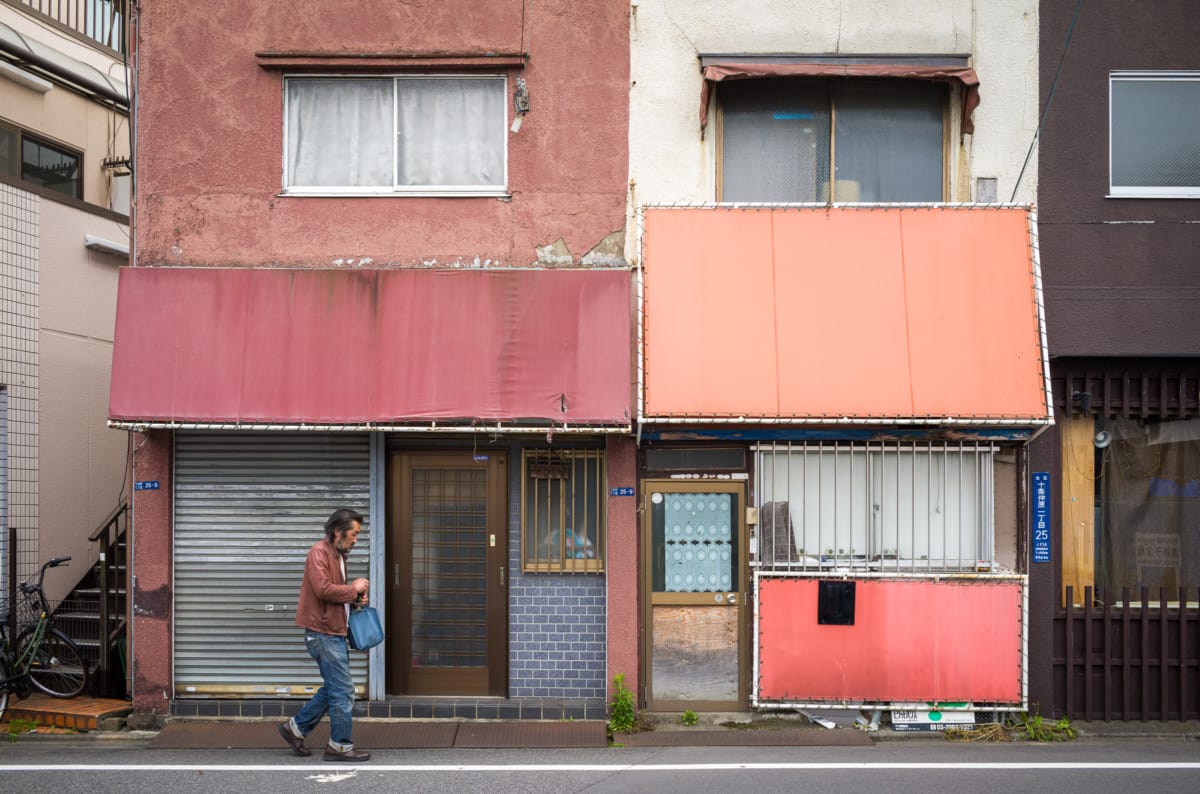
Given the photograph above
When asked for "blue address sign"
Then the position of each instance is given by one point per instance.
(1041, 516)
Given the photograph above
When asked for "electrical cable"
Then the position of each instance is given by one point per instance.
(1049, 100)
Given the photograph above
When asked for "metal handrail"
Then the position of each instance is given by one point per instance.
(108, 537)
(97, 22)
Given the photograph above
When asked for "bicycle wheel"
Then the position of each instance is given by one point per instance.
(4, 674)
(58, 667)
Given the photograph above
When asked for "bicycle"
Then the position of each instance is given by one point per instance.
(42, 657)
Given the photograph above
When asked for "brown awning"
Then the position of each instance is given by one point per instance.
(716, 71)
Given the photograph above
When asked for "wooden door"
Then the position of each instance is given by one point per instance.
(447, 588)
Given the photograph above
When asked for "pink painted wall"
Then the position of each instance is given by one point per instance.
(911, 641)
(622, 564)
(151, 563)
(210, 126)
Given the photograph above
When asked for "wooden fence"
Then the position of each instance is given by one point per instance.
(1125, 655)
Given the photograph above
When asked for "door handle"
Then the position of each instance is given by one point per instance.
(731, 599)
(502, 576)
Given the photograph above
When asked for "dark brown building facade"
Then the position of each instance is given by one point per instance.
(1115, 485)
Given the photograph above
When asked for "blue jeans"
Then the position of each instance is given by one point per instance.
(336, 696)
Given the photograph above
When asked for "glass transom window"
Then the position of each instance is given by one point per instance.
(416, 135)
(1154, 148)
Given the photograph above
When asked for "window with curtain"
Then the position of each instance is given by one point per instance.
(405, 135)
(1154, 149)
(846, 140)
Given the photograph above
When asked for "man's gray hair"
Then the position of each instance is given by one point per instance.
(340, 521)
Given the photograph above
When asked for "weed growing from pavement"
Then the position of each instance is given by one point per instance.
(622, 713)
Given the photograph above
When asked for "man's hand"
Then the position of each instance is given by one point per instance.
(361, 586)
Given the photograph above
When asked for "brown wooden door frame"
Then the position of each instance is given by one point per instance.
(401, 679)
(745, 591)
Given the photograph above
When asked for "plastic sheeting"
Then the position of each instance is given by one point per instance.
(224, 346)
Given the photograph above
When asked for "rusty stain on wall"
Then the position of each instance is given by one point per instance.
(154, 603)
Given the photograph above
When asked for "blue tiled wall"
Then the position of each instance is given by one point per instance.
(556, 642)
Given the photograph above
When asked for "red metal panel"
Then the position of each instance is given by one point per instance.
(842, 314)
(911, 641)
(350, 347)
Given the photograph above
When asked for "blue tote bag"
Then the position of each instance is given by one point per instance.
(365, 628)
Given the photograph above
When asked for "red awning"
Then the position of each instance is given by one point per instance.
(739, 69)
(843, 315)
(214, 346)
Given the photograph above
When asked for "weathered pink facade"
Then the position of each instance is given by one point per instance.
(209, 158)
(210, 128)
(150, 662)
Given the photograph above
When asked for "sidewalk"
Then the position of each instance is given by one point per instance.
(107, 719)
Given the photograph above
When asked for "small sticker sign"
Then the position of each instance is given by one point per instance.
(620, 492)
(146, 485)
(1041, 516)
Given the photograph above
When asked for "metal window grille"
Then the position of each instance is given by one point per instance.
(563, 513)
(875, 509)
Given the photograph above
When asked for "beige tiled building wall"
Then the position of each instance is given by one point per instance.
(19, 237)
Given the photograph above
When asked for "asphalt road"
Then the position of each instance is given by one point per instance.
(58, 764)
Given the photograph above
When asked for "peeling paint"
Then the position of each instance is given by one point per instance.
(609, 251)
(153, 603)
(556, 253)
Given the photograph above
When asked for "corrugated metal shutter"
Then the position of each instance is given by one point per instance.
(248, 506)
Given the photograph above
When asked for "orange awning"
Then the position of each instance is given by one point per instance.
(842, 314)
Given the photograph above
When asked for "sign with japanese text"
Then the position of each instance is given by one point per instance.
(1041, 516)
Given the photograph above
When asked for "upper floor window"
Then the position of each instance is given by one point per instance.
(847, 140)
(1154, 151)
(31, 159)
(416, 135)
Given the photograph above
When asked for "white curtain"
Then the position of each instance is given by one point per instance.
(339, 132)
(450, 131)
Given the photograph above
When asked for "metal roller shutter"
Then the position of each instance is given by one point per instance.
(247, 508)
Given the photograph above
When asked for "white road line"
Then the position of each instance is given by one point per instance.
(304, 768)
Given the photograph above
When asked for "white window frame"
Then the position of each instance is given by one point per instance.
(1126, 191)
(490, 191)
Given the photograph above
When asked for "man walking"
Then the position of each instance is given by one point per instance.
(322, 612)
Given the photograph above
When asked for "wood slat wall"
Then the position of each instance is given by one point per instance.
(1129, 659)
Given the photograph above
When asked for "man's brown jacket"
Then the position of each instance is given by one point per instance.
(324, 592)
